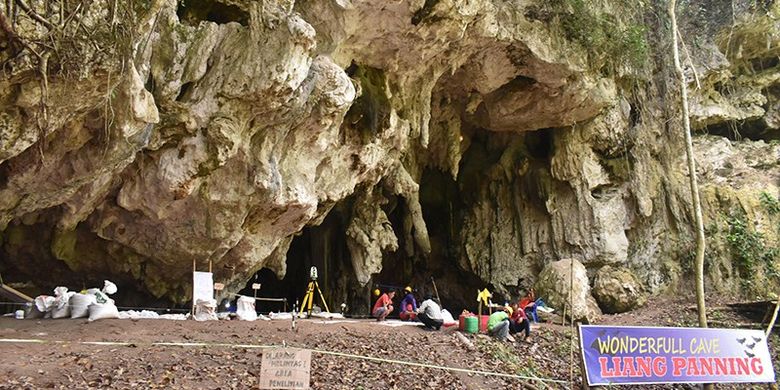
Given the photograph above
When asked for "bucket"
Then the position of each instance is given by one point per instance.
(462, 323)
(483, 321)
(470, 324)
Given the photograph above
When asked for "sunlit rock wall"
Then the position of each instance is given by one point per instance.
(215, 131)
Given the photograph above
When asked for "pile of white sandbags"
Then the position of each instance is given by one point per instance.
(93, 303)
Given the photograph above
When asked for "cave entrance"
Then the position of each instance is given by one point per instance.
(192, 12)
(440, 199)
(754, 130)
(322, 246)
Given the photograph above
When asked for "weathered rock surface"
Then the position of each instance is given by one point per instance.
(472, 140)
(618, 290)
(565, 281)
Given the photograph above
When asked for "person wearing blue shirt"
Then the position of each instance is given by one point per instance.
(408, 306)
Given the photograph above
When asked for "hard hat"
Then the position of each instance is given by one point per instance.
(508, 309)
(408, 289)
(377, 292)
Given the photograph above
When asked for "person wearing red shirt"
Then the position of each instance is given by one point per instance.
(518, 322)
(383, 306)
(528, 304)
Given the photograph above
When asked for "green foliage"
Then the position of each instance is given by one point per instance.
(601, 34)
(770, 203)
(749, 248)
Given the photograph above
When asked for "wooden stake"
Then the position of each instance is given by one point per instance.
(571, 326)
(194, 268)
(563, 317)
(436, 291)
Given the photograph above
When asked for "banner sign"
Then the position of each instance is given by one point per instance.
(285, 368)
(639, 354)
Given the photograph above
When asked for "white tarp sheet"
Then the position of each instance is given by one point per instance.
(202, 286)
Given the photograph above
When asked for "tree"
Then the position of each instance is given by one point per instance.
(700, 243)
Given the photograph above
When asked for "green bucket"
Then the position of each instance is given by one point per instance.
(471, 324)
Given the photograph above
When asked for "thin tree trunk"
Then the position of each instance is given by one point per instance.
(700, 244)
(771, 322)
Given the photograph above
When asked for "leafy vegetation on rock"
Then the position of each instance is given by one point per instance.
(603, 35)
(750, 248)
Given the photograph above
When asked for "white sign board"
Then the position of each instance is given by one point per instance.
(202, 286)
(255, 286)
(285, 368)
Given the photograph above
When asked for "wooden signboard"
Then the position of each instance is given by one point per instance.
(285, 368)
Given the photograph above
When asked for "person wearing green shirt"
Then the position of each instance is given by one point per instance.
(498, 323)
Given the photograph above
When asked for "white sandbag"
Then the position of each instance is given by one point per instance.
(79, 305)
(100, 296)
(327, 315)
(447, 317)
(281, 316)
(42, 306)
(175, 317)
(102, 311)
(109, 288)
(245, 309)
(61, 308)
(137, 315)
(206, 310)
(60, 311)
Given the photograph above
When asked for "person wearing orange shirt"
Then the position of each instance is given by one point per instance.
(383, 306)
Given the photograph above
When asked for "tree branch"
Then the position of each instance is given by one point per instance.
(31, 13)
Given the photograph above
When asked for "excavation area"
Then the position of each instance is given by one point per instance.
(346, 354)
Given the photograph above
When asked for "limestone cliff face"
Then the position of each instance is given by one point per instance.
(474, 140)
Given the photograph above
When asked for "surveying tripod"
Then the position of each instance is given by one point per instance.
(308, 299)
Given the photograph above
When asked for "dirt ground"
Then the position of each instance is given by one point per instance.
(63, 363)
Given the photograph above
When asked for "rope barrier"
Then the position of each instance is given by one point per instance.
(261, 298)
(260, 346)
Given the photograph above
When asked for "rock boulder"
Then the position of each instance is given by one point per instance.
(618, 290)
(555, 282)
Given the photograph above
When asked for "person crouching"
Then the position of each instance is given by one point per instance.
(429, 313)
(498, 323)
(383, 306)
(408, 306)
(519, 323)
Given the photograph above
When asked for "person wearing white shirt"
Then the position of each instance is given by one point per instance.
(429, 313)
